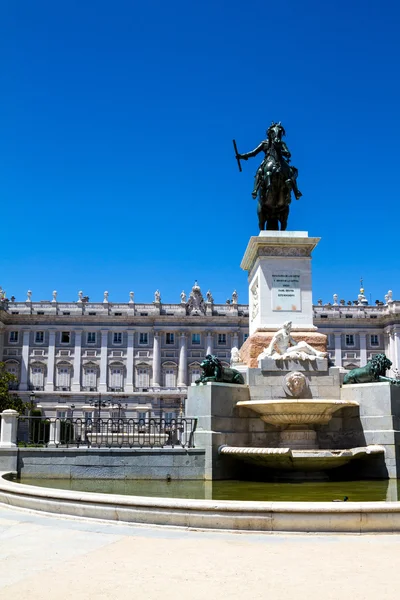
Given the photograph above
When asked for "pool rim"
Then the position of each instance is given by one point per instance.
(237, 515)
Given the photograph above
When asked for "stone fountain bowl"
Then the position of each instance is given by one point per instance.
(287, 459)
(296, 412)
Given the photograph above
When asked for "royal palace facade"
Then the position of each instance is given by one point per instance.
(136, 360)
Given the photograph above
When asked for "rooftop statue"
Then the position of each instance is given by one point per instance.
(283, 346)
(374, 370)
(274, 180)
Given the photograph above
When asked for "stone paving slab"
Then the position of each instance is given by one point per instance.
(45, 557)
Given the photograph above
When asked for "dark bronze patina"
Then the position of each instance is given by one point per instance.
(374, 370)
(213, 370)
(274, 180)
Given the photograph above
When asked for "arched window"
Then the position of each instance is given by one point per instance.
(170, 378)
(143, 378)
(90, 377)
(37, 376)
(194, 372)
(63, 376)
(13, 367)
(116, 377)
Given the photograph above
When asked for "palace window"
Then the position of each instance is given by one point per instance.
(117, 337)
(91, 337)
(116, 378)
(63, 377)
(143, 378)
(222, 339)
(349, 339)
(169, 338)
(39, 337)
(65, 337)
(12, 368)
(37, 377)
(143, 338)
(90, 378)
(374, 340)
(13, 339)
(194, 375)
(246, 335)
(170, 378)
(196, 338)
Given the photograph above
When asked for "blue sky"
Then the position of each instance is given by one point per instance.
(116, 163)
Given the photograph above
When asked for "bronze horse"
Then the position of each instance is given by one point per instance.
(274, 180)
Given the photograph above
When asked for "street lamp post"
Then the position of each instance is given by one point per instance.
(98, 404)
(31, 406)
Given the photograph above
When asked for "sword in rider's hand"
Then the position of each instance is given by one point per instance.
(237, 155)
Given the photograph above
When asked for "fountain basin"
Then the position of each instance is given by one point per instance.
(296, 412)
(300, 460)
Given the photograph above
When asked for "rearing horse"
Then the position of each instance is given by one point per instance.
(274, 180)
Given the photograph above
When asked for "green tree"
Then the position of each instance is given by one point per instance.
(7, 399)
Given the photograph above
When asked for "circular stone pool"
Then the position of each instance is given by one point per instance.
(357, 491)
(208, 506)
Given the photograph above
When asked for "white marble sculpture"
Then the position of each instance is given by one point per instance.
(183, 297)
(294, 384)
(235, 356)
(131, 297)
(283, 346)
(157, 296)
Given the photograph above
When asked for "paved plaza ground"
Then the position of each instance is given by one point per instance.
(45, 557)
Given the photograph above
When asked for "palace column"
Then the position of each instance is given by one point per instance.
(338, 349)
(363, 348)
(182, 379)
(23, 384)
(49, 387)
(396, 361)
(103, 361)
(156, 360)
(2, 330)
(129, 361)
(76, 380)
(209, 343)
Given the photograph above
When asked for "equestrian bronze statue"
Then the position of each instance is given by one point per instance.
(274, 181)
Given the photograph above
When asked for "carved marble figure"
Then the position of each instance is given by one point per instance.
(235, 356)
(283, 346)
(294, 384)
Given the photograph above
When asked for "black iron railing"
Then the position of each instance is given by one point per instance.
(105, 433)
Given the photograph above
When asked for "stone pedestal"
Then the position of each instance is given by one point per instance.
(9, 424)
(380, 421)
(279, 275)
(214, 404)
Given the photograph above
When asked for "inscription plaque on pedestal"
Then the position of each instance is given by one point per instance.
(286, 291)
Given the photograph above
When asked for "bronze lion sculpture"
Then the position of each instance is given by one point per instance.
(374, 370)
(214, 371)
